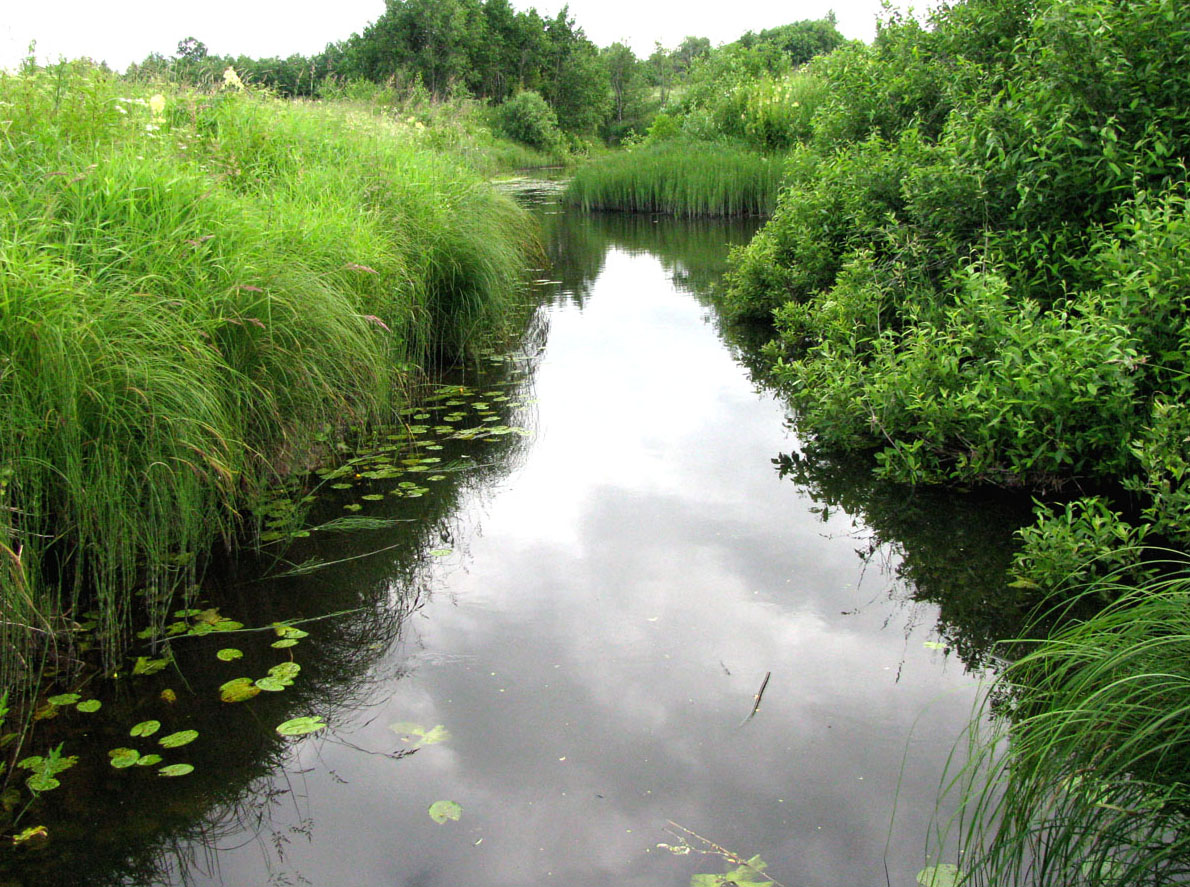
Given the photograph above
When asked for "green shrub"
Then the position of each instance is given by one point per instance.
(527, 118)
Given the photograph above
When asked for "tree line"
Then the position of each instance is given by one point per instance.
(487, 50)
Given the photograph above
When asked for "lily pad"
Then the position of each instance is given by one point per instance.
(283, 643)
(64, 699)
(148, 760)
(942, 875)
(441, 811)
(176, 770)
(419, 735)
(238, 690)
(271, 684)
(87, 706)
(228, 654)
(145, 728)
(122, 758)
(301, 726)
(175, 740)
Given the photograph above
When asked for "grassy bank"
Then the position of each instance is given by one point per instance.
(197, 292)
(1086, 782)
(679, 178)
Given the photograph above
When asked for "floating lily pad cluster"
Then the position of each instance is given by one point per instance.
(125, 757)
(411, 454)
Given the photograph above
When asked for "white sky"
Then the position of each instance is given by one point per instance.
(124, 31)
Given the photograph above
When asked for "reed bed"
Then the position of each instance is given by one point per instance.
(679, 178)
(1085, 779)
(197, 293)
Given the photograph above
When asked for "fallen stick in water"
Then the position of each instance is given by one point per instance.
(756, 699)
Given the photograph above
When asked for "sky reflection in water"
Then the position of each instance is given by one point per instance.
(598, 637)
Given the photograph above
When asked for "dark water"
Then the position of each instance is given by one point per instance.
(606, 594)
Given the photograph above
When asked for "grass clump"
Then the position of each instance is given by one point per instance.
(196, 293)
(679, 178)
(1085, 780)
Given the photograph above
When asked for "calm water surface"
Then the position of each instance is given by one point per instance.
(617, 587)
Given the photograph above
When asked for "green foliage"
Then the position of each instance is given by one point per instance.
(528, 119)
(978, 267)
(1084, 781)
(196, 292)
(680, 178)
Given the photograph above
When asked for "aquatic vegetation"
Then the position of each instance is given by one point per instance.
(198, 294)
(445, 811)
(1083, 778)
(679, 178)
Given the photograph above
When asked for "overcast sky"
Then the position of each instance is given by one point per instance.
(124, 31)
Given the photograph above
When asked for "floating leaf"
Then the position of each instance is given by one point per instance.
(89, 705)
(228, 654)
(148, 760)
(283, 643)
(42, 782)
(271, 684)
(175, 740)
(288, 631)
(144, 665)
(64, 699)
(441, 811)
(176, 770)
(373, 497)
(238, 690)
(227, 625)
(301, 726)
(285, 671)
(168, 695)
(122, 758)
(419, 735)
(34, 832)
(145, 728)
(943, 875)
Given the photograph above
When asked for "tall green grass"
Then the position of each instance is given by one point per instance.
(192, 300)
(1086, 777)
(679, 178)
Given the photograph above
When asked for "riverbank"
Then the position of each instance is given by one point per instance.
(201, 292)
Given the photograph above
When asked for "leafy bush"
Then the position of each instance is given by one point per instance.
(527, 118)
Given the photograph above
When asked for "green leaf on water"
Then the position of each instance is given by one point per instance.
(89, 705)
(373, 497)
(176, 770)
(942, 875)
(145, 728)
(419, 735)
(288, 631)
(238, 690)
(301, 726)
(42, 782)
(271, 684)
(148, 760)
(285, 671)
(175, 740)
(354, 506)
(441, 811)
(283, 643)
(122, 758)
(146, 666)
(228, 654)
(64, 699)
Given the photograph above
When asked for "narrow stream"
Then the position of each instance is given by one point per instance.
(609, 591)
